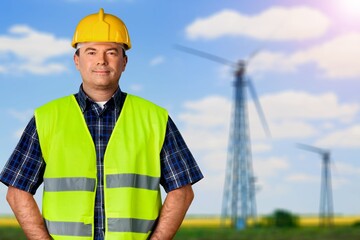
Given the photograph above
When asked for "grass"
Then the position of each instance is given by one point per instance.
(301, 233)
(208, 228)
(11, 233)
(187, 233)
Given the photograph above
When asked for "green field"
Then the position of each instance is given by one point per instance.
(11, 233)
(301, 233)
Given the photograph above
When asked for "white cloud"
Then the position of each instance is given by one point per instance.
(206, 133)
(261, 147)
(18, 133)
(215, 161)
(276, 23)
(336, 58)
(345, 169)
(22, 116)
(33, 51)
(267, 61)
(341, 174)
(290, 129)
(302, 177)
(337, 182)
(206, 138)
(298, 105)
(42, 68)
(295, 114)
(349, 137)
(270, 167)
(136, 87)
(157, 61)
(211, 111)
(290, 114)
(226, 74)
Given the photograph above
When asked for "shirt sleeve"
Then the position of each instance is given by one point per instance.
(25, 168)
(178, 166)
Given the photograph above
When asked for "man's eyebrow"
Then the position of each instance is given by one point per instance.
(112, 49)
(90, 49)
(106, 50)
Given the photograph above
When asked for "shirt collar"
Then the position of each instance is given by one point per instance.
(85, 101)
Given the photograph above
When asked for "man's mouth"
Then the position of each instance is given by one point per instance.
(101, 71)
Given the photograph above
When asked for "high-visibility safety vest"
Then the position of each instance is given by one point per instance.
(131, 170)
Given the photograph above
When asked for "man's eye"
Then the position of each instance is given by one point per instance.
(113, 53)
(91, 53)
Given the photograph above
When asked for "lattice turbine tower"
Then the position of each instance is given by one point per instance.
(326, 211)
(239, 200)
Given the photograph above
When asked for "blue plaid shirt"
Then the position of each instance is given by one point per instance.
(25, 168)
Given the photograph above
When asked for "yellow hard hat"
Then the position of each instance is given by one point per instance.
(101, 27)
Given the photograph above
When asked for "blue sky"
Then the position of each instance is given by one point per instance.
(306, 72)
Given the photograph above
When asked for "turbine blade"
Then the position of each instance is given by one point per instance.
(311, 148)
(206, 55)
(252, 55)
(259, 108)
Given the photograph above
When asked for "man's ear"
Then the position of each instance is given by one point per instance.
(125, 62)
(76, 61)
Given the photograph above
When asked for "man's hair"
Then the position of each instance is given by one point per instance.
(78, 51)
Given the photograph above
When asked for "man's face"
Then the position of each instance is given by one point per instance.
(101, 65)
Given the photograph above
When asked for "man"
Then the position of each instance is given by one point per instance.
(101, 154)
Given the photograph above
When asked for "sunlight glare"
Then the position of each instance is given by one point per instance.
(351, 7)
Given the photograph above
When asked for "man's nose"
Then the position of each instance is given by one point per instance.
(102, 59)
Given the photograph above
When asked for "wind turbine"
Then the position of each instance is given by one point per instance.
(326, 213)
(239, 200)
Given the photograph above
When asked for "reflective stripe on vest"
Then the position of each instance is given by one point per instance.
(132, 180)
(130, 225)
(69, 228)
(69, 184)
(113, 181)
(114, 225)
(131, 170)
